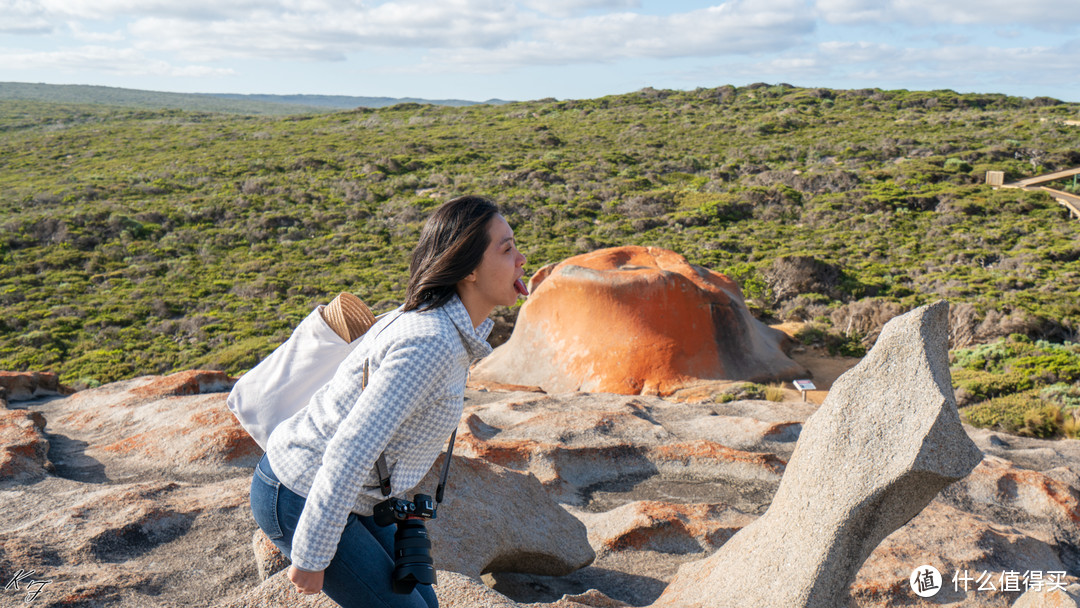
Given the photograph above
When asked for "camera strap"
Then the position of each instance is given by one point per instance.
(445, 468)
(384, 474)
(384, 471)
(380, 465)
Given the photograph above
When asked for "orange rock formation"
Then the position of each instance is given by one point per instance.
(634, 320)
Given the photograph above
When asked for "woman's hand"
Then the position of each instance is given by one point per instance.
(308, 583)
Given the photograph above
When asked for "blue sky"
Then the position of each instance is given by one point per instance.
(530, 49)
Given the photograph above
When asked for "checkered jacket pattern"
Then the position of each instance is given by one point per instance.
(413, 400)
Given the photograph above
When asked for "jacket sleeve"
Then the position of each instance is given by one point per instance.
(409, 374)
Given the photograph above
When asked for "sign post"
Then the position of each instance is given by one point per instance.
(803, 386)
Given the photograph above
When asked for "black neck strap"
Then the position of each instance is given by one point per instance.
(384, 471)
(380, 465)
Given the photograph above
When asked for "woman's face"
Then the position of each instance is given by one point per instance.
(498, 277)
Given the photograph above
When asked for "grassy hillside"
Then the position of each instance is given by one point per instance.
(141, 241)
(153, 100)
(279, 105)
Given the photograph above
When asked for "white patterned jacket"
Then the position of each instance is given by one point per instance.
(413, 400)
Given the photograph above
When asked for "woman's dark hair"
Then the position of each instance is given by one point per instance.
(451, 246)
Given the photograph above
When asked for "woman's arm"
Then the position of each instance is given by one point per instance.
(410, 372)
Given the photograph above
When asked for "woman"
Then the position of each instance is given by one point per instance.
(313, 491)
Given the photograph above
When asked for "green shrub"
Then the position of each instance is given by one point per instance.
(753, 285)
(811, 333)
(1051, 367)
(845, 345)
(957, 165)
(241, 355)
(1043, 421)
(983, 357)
(1065, 395)
(1005, 413)
(982, 385)
(744, 390)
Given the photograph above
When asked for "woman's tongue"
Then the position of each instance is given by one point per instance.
(519, 286)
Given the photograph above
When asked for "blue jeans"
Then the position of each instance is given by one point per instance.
(359, 574)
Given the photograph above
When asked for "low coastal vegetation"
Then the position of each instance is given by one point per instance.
(1020, 386)
(139, 241)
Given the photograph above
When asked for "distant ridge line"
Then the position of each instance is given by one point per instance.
(346, 102)
(232, 103)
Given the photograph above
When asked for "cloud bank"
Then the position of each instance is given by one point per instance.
(837, 39)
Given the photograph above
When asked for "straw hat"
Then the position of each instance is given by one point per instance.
(348, 316)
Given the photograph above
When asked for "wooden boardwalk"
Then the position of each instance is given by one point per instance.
(1042, 179)
(1069, 201)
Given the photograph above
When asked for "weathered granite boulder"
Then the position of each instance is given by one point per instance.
(634, 320)
(496, 519)
(656, 483)
(176, 423)
(1069, 597)
(957, 543)
(885, 442)
(1046, 503)
(24, 450)
(21, 386)
(651, 525)
(575, 442)
(1013, 520)
(455, 590)
(124, 543)
(493, 518)
(268, 559)
(459, 591)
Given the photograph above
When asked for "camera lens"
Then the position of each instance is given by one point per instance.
(412, 557)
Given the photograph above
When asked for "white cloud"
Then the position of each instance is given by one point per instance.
(1045, 65)
(755, 39)
(80, 33)
(853, 11)
(24, 26)
(198, 71)
(103, 59)
(568, 8)
(202, 10)
(474, 32)
(735, 27)
(23, 17)
(961, 62)
(1050, 14)
(951, 39)
(333, 34)
(871, 64)
(844, 53)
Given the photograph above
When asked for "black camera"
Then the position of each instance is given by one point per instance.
(412, 547)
